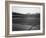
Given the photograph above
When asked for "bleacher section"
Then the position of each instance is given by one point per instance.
(25, 21)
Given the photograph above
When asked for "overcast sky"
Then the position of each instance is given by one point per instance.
(25, 10)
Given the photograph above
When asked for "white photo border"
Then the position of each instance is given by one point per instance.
(24, 32)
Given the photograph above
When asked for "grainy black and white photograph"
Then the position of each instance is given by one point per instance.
(25, 18)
